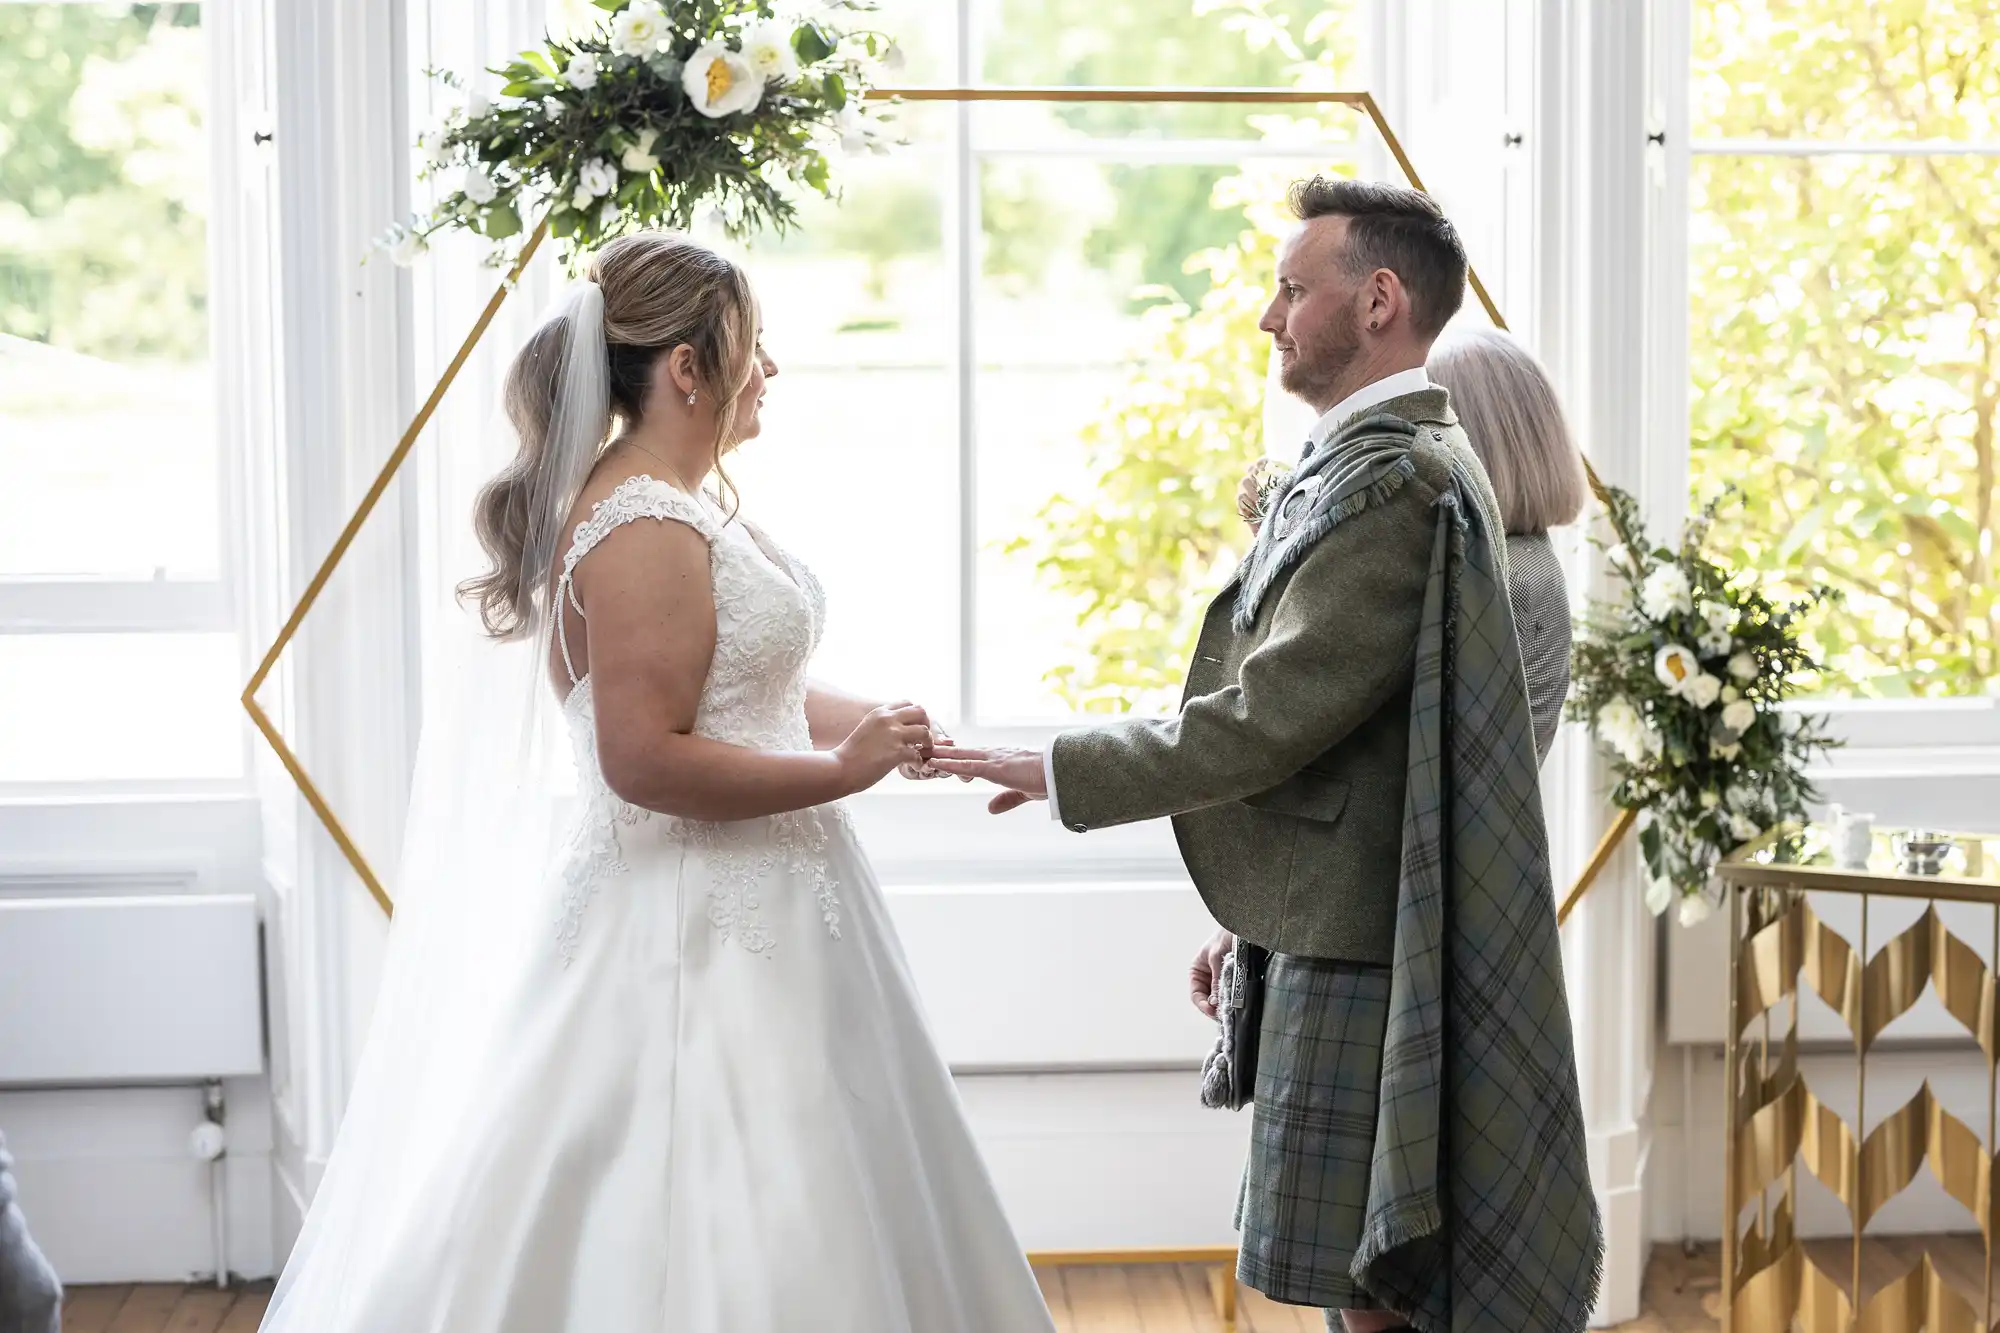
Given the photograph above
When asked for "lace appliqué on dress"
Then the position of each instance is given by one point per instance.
(740, 860)
(593, 856)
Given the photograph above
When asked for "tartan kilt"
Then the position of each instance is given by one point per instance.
(1312, 1134)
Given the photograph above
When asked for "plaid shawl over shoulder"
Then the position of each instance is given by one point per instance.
(1480, 1212)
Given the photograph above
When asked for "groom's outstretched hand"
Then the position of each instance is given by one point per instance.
(1021, 772)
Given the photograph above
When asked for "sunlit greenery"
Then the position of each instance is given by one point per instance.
(1846, 326)
(103, 189)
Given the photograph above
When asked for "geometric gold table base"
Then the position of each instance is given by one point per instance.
(1775, 1126)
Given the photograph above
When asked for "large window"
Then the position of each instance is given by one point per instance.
(1845, 290)
(118, 660)
(1020, 370)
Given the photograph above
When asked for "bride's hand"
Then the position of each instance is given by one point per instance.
(888, 736)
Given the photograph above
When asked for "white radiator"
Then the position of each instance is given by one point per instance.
(126, 990)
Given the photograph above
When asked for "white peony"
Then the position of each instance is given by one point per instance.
(597, 178)
(1743, 667)
(640, 30)
(1620, 727)
(1665, 591)
(1702, 690)
(1743, 828)
(638, 158)
(1739, 716)
(1695, 908)
(581, 72)
(720, 82)
(768, 48)
(1675, 666)
(478, 186)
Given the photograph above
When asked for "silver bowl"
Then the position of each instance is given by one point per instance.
(1921, 852)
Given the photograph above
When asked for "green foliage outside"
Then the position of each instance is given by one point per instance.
(1159, 528)
(103, 180)
(1846, 328)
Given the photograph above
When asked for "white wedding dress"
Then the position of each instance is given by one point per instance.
(718, 1109)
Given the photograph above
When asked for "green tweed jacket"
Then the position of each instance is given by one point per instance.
(1286, 767)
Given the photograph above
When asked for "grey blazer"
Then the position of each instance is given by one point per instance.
(1540, 601)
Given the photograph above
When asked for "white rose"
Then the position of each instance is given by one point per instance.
(1665, 591)
(1713, 643)
(1730, 694)
(1743, 667)
(1695, 908)
(403, 245)
(1675, 666)
(1739, 716)
(1702, 690)
(638, 158)
(768, 48)
(478, 186)
(581, 72)
(640, 30)
(1619, 725)
(582, 200)
(720, 82)
(1743, 828)
(597, 178)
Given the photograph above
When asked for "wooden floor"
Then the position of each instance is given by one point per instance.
(1680, 1295)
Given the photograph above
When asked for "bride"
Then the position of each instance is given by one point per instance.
(646, 1055)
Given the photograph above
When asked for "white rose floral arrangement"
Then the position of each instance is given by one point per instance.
(1680, 679)
(659, 110)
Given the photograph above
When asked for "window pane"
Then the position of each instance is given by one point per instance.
(1121, 392)
(1845, 351)
(107, 437)
(1823, 69)
(119, 707)
(856, 468)
(1159, 43)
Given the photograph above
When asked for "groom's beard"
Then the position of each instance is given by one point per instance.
(1319, 371)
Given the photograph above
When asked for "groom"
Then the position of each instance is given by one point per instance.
(1309, 831)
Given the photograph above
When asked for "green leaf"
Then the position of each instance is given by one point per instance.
(611, 6)
(564, 221)
(811, 44)
(815, 173)
(836, 91)
(500, 221)
(540, 62)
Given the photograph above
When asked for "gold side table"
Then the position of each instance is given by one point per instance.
(1774, 1123)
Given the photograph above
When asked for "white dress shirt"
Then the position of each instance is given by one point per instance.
(1413, 380)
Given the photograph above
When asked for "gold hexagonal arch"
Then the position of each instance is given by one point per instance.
(1360, 101)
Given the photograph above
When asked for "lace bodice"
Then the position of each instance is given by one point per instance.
(769, 614)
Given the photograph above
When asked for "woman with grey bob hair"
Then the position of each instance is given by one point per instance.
(1515, 422)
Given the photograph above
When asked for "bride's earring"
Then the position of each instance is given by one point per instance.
(690, 398)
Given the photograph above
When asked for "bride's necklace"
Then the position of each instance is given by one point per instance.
(670, 470)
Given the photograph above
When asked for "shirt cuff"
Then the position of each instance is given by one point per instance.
(1049, 780)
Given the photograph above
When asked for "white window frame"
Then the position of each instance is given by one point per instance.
(1891, 748)
(164, 605)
